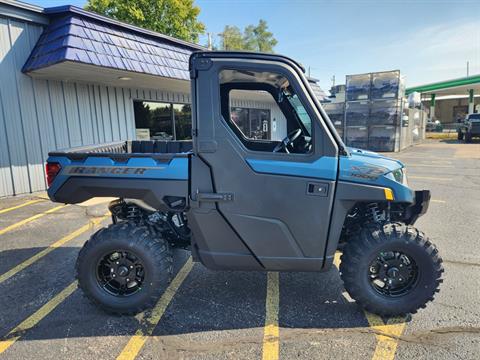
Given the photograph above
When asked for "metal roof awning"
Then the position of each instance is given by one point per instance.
(80, 45)
(317, 90)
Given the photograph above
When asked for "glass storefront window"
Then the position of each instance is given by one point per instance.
(168, 121)
(183, 121)
(239, 117)
(253, 123)
(164, 121)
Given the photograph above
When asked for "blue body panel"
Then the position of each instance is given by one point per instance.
(366, 167)
(362, 167)
(359, 166)
(138, 167)
(324, 168)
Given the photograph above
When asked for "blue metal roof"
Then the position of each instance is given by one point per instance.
(317, 90)
(80, 36)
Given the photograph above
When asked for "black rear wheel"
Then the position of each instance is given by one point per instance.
(124, 268)
(121, 272)
(391, 270)
(460, 135)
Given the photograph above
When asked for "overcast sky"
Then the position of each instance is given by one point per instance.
(428, 40)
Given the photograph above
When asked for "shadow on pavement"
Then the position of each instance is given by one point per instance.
(206, 301)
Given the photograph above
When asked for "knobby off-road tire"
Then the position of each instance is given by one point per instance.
(373, 242)
(460, 135)
(151, 253)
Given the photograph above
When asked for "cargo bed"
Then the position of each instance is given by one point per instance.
(138, 148)
(155, 172)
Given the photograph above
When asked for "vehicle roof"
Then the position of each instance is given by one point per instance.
(247, 54)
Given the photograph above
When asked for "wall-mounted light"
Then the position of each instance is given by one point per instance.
(124, 78)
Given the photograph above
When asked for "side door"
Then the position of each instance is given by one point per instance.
(275, 194)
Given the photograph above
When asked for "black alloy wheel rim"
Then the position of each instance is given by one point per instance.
(120, 273)
(393, 274)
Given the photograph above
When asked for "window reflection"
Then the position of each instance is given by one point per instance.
(163, 121)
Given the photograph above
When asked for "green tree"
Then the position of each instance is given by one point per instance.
(253, 38)
(143, 116)
(249, 38)
(177, 18)
(264, 38)
(232, 38)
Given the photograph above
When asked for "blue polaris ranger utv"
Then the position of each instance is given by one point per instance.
(249, 195)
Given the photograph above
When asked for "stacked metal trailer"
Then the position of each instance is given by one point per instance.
(336, 113)
(372, 112)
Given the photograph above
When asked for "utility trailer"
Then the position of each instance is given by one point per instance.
(242, 203)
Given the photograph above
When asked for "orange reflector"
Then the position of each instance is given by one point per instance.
(388, 194)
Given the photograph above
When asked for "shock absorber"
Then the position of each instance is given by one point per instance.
(376, 214)
(133, 212)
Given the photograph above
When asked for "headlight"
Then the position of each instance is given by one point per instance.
(400, 176)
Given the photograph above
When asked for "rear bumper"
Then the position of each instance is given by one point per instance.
(419, 206)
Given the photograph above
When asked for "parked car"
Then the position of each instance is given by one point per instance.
(162, 135)
(433, 126)
(469, 128)
(239, 203)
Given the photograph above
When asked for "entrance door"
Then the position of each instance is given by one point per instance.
(277, 194)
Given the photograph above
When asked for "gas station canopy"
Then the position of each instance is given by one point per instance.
(461, 86)
(469, 85)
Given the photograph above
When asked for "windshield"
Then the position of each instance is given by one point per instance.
(301, 112)
(474, 116)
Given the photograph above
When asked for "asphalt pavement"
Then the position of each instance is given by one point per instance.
(207, 314)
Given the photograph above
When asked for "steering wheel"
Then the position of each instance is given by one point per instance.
(288, 140)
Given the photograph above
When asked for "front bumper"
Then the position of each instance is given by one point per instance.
(419, 206)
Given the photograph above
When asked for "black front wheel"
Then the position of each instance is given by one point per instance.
(460, 135)
(391, 270)
(124, 268)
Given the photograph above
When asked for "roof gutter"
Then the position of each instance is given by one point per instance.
(23, 11)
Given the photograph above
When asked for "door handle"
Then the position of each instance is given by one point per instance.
(317, 189)
(214, 197)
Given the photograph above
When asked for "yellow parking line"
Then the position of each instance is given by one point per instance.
(136, 342)
(387, 341)
(271, 333)
(3, 211)
(25, 221)
(34, 319)
(438, 201)
(429, 178)
(49, 249)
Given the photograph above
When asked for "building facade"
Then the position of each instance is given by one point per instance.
(71, 77)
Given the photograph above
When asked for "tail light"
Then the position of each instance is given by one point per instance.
(52, 169)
